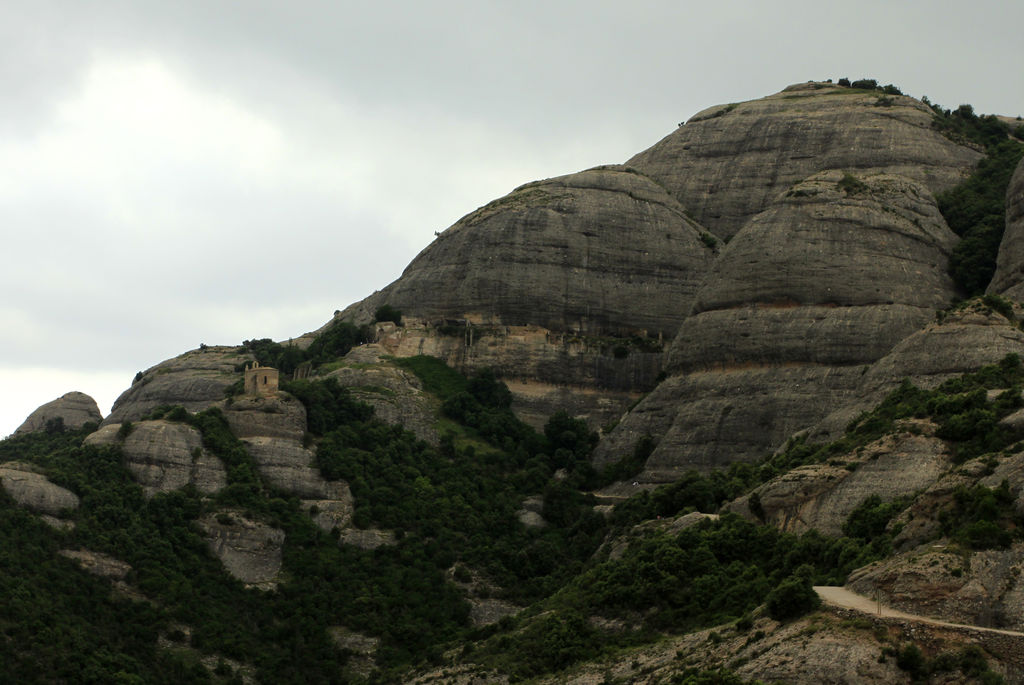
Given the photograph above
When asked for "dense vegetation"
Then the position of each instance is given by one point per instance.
(454, 509)
(976, 209)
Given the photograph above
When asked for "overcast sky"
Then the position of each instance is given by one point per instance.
(177, 173)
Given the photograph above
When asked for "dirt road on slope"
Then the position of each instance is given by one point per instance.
(844, 599)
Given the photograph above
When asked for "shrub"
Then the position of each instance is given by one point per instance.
(386, 312)
(851, 185)
(792, 598)
(911, 660)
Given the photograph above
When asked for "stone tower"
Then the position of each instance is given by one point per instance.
(260, 380)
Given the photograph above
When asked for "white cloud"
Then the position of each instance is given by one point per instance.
(26, 388)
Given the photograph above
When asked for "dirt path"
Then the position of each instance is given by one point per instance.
(844, 599)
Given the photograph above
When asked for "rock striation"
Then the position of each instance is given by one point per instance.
(164, 456)
(602, 252)
(70, 411)
(1008, 279)
(727, 163)
(195, 380)
(545, 370)
(810, 292)
(822, 496)
(273, 428)
(965, 340)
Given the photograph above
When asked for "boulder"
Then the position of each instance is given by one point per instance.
(1008, 279)
(727, 163)
(70, 411)
(27, 486)
(97, 563)
(164, 456)
(367, 538)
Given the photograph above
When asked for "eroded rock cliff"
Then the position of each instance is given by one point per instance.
(810, 292)
(728, 162)
(1009, 277)
(603, 251)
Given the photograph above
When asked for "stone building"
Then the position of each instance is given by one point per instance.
(260, 380)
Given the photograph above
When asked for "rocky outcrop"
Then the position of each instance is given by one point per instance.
(531, 513)
(601, 252)
(811, 291)
(68, 412)
(249, 550)
(822, 496)
(27, 486)
(272, 429)
(965, 340)
(592, 378)
(195, 380)
(363, 649)
(939, 582)
(164, 456)
(269, 416)
(287, 465)
(97, 563)
(396, 395)
(728, 162)
(1009, 276)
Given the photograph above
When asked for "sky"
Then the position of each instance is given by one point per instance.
(177, 173)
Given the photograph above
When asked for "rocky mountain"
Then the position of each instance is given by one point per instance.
(729, 162)
(611, 427)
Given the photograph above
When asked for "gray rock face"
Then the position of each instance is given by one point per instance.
(195, 380)
(287, 465)
(811, 291)
(1008, 279)
(395, 394)
(32, 490)
(728, 163)
(165, 456)
(249, 550)
(272, 428)
(603, 251)
(964, 341)
(105, 436)
(546, 371)
(73, 410)
(274, 416)
(822, 496)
